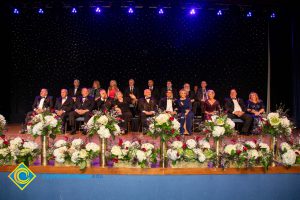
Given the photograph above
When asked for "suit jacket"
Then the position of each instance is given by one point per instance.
(191, 95)
(164, 90)
(155, 93)
(104, 105)
(88, 104)
(67, 106)
(135, 92)
(163, 104)
(143, 105)
(229, 105)
(48, 103)
(199, 94)
(71, 92)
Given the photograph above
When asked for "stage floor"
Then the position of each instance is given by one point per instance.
(14, 131)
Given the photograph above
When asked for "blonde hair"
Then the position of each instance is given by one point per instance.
(256, 97)
(113, 83)
(97, 83)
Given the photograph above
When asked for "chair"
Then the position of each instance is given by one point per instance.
(238, 122)
(79, 120)
(197, 120)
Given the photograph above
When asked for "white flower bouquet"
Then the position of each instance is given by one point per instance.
(133, 154)
(246, 154)
(218, 126)
(45, 124)
(2, 124)
(191, 153)
(289, 154)
(104, 124)
(74, 153)
(163, 125)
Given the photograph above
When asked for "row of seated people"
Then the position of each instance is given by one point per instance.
(147, 106)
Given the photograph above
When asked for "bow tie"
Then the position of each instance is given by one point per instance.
(169, 98)
(147, 97)
(234, 98)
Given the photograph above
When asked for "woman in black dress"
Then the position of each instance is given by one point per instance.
(211, 105)
(121, 106)
(255, 107)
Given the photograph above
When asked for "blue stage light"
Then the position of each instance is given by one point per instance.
(74, 11)
(249, 14)
(16, 11)
(273, 15)
(219, 13)
(41, 11)
(161, 11)
(98, 10)
(192, 11)
(130, 10)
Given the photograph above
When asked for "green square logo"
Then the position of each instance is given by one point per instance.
(21, 176)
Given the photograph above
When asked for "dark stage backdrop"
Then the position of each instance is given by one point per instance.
(53, 49)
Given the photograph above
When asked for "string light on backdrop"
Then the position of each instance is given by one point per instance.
(273, 15)
(98, 10)
(74, 11)
(192, 11)
(130, 10)
(41, 11)
(161, 11)
(16, 11)
(219, 13)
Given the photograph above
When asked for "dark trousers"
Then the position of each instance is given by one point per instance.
(126, 117)
(144, 117)
(74, 115)
(247, 121)
(188, 120)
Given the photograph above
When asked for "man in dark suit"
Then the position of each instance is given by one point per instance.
(133, 94)
(147, 107)
(82, 107)
(201, 97)
(168, 103)
(104, 103)
(41, 103)
(235, 108)
(75, 92)
(154, 90)
(169, 87)
(63, 105)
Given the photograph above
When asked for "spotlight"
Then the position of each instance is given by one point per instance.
(192, 11)
(41, 11)
(74, 11)
(249, 14)
(219, 13)
(273, 15)
(161, 11)
(16, 11)
(130, 10)
(98, 10)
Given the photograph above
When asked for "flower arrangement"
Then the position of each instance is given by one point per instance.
(163, 125)
(74, 153)
(218, 126)
(277, 124)
(104, 124)
(246, 154)
(134, 154)
(19, 150)
(289, 154)
(5, 156)
(2, 124)
(45, 124)
(191, 151)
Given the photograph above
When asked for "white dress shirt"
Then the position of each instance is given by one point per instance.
(237, 106)
(169, 105)
(41, 103)
(63, 100)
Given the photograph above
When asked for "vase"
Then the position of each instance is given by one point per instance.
(217, 152)
(274, 149)
(163, 154)
(103, 143)
(44, 142)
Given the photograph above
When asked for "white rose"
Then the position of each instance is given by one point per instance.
(273, 115)
(191, 143)
(4, 152)
(218, 131)
(197, 151)
(92, 147)
(118, 129)
(289, 157)
(1, 142)
(239, 147)
(103, 132)
(151, 128)
(285, 122)
(126, 144)
(60, 159)
(90, 123)
(103, 120)
(176, 144)
(60, 143)
(201, 157)
(116, 150)
(82, 153)
(252, 153)
(147, 146)
(214, 118)
(274, 119)
(140, 155)
(16, 142)
(264, 146)
(229, 148)
(37, 129)
(77, 143)
(162, 118)
(135, 144)
(251, 144)
(172, 154)
(30, 145)
(176, 124)
(285, 146)
(289, 131)
(75, 157)
(230, 123)
(204, 144)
